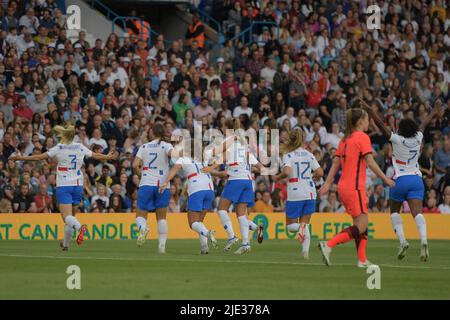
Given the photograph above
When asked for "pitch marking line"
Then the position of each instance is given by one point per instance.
(214, 261)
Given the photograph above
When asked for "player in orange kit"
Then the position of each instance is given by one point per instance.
(354, 153)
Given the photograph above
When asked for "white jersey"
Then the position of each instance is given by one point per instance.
(196, 179)
(238, 165)
(70, 159)
(406, 153)
(301, 185)
(155, 162)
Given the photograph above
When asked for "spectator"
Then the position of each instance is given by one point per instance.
(264, 204)
(43, 201)
(23, 201)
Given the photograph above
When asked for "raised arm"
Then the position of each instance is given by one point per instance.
(376, 169)
(103, 157)
(377, 119)
(36, 157)
(436, 110)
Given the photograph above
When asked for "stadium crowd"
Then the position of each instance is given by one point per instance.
(306, 75)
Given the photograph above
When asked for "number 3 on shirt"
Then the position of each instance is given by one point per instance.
(73, 161)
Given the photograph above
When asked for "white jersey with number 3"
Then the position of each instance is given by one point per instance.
(301, 185)
(406, 152)
(70, 159)
(155, 162)
(239, 161)
(196, 179)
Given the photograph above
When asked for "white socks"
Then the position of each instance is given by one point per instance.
(163, 229)
(421, 224)
(244, 227)
(422, 227)
(397, 224)
(68, 232)
(252, 226)
(141, 223)
(293, 227)
(200, 228)
(203, 241)
(307, 240)
(72, 222)
(226, 222)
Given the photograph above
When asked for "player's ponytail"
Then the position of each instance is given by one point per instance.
(353, 116)
(65, 135)
(294, 142)
(159, 131)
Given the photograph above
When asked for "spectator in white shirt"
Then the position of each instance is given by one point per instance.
(242, 109)
(334, 137)
(30, 21)
(444, 207)
(91, 72)
(117, 73)
(97, 139)
(268, 72)
(290, 114)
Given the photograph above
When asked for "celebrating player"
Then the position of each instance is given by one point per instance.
(201, 193)
(406, 145)
(301, 167)
(69, 178)
(152, 161)
(239, 189)
(353, 155)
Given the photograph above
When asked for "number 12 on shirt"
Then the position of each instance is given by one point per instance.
(302, 174)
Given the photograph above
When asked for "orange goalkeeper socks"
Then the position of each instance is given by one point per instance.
(344, 236)
(361, 245)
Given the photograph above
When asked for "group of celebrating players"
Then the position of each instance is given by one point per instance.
(298, 166)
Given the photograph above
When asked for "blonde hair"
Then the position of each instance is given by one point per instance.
(65, 134)
(295, 141)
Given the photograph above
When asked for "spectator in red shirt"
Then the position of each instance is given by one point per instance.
(11, 92)
(313, 99)
(23, 110)
(44, 203)
(229, 83)
(431, 206)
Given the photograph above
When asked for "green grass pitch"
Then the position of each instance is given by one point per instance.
(273, 270)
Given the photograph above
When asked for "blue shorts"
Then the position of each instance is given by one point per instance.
(149, 198)
(69, 194)
(201, 200)
(407, 187)
(297, 209)
(239, 191)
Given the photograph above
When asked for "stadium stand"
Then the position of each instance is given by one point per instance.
(282, 64)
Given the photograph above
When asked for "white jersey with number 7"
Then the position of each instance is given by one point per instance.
(405, 154)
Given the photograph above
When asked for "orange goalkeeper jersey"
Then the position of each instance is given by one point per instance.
(352, 152)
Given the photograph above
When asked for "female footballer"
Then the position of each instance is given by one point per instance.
(301, 167)
(69, 178)
(354, 154)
